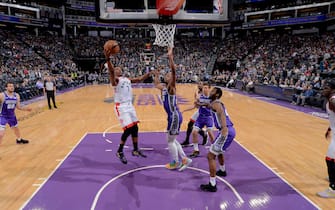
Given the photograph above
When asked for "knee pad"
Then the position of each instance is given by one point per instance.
(134, 131)
(125, 134)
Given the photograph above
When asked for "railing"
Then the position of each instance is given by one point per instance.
(284, 94)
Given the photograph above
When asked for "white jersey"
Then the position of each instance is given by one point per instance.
(123, 91)
(331, 148)
(124, 109)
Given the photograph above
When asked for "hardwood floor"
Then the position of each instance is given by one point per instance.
(290, 142)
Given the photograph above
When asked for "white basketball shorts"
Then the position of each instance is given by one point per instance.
(126, 114)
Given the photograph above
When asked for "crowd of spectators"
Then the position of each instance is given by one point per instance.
(301, 62)
(26, 59)
(191, 55)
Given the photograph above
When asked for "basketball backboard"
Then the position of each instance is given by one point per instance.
(147, 58)
(144, 11)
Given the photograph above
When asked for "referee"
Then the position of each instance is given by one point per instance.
(50, 90)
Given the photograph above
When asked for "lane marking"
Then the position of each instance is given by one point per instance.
(52, 173)
(147, 148)
(109, 141)
(284, 180)
(98, 194)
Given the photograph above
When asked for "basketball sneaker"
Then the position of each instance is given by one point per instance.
(138, 153)
(328, 193)
(221, 173)
(195, 154)
(22, 141)
(185, 163)
(208, 187)
(122, 158)
(185, 143)
(172, 165)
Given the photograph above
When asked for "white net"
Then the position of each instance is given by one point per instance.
(164, 35)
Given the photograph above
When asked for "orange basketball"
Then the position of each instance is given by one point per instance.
(112, 47)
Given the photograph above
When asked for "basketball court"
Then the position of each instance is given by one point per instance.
(276, 162)
(91, 177)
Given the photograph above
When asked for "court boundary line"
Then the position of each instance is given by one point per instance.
(81, 139)
(52, 173)
(98, 194)
(67, 155)
(278, 175)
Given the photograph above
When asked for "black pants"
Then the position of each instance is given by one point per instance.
(51, 94)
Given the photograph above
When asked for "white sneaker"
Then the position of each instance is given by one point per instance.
(328, 193)
(185, 163)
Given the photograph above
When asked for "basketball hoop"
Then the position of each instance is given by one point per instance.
(147, 58)
(164, 34)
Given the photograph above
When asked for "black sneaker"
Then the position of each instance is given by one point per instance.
(195, 154)
(138, 153)
(185, 143)
(221, 173)
(22, 141)
(208, 187)
(205, 139)
(122, 158)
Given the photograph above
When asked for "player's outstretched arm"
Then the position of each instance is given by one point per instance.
(188, 109)
(172, 83)
(196, 95)
(141, 78)
(157, 82)
(18, 105)
(110, 66)
(197, 104)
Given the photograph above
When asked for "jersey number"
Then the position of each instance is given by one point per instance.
(10, 106)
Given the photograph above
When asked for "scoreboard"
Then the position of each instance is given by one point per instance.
(144, 11)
